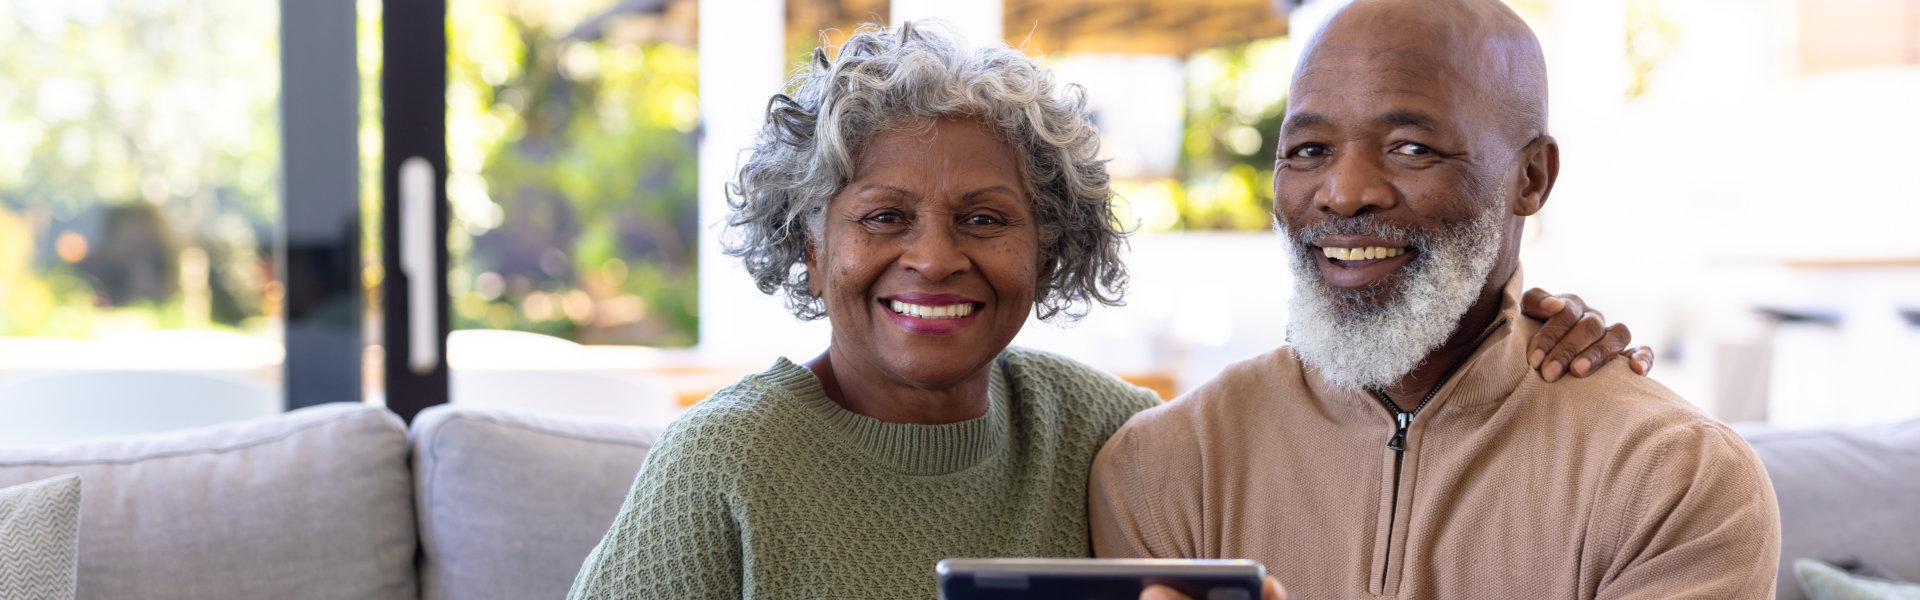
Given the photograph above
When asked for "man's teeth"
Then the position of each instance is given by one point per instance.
(1370, 252)
(950, 311)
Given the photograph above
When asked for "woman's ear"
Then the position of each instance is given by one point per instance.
(1539, 167)
(813, 283)
(1045, 272)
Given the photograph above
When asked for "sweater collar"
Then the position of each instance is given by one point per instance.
(1489, 374)
(903, 447)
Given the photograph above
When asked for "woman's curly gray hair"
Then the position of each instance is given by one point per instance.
(806, 153)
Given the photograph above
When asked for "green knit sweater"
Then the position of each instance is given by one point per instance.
(770, 490)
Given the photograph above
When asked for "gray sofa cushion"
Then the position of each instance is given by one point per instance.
(511, 502)
(39, 538)
(1844, 493)
(314, 503)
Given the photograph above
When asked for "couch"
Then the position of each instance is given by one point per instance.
(343, 501)
(1844, 494)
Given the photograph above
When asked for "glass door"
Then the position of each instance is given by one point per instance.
(556, 145)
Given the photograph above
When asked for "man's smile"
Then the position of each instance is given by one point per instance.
(1354, 265)
(1370, 252)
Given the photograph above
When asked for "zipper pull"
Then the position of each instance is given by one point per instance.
(1398, 443)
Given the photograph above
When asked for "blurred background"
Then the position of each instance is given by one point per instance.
(201, 212)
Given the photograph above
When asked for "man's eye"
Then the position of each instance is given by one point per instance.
(1308, 151)
(1412, 149)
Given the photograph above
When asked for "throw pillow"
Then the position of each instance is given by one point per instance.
(1824, 581)
(40, 538)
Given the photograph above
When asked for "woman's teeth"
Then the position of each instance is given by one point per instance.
(950, 311)
(1363, 253)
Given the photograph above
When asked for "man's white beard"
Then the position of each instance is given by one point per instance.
(1371, 337)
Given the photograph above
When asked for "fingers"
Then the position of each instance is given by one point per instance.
(1269, 590)
(1539, 304)
(1613, 343)
(1641, 359)
(1557, 325)
(1274, 591)
(1584, 332)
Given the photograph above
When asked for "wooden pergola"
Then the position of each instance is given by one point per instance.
(1176, 27)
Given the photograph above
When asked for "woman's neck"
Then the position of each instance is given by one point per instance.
(892, 401)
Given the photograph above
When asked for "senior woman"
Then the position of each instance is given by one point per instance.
(925, 199)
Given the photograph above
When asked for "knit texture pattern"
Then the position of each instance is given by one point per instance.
(40, 539)
(770, 490)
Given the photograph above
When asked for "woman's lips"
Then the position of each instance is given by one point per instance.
(1360, 266)
(931, 314)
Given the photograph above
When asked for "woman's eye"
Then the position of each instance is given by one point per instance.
(1412, 149)
(983, 220)
(885, 218)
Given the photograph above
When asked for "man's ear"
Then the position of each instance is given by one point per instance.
(1539, 167)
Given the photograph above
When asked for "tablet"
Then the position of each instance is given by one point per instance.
(1096, 578)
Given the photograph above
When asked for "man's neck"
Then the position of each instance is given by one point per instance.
(1440, 364)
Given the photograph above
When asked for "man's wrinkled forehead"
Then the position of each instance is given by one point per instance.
(1466, 61)
(1387, 67)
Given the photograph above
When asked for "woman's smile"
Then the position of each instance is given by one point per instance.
(931, 314)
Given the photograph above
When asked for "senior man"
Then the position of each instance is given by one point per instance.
(1399, 446)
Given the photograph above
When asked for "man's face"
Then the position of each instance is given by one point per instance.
(1391, 187)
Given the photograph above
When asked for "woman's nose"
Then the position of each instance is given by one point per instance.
(935, 254)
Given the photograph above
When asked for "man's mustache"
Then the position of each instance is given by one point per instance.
(1307, 238)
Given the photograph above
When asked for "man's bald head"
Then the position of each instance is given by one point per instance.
(1481, 43)
(1416, 129)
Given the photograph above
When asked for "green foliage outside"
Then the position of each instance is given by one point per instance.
(139, 147)
(573, 158)
(571, 147)
(1236, 99)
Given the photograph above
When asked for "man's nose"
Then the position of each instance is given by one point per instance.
(1357, 184)
(934, 253)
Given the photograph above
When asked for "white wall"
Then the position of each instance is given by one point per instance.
(742, 63)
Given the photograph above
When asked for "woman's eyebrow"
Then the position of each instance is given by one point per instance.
(882, 187)
(1007, 191)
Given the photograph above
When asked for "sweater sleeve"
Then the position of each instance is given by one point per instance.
(1698, 520)
(1120, 511)
(675, 536)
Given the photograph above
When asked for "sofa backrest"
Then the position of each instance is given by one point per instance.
(511, 502)
(315, 503)
(1844, 494)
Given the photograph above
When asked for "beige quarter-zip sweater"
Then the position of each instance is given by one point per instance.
(1608, 486)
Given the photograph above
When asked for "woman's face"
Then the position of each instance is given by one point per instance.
(929, 256)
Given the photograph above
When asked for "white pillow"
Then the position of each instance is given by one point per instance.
(40, 538)
(1827, 582)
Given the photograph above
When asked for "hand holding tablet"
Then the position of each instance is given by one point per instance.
(1089, 579)
(1270, 590)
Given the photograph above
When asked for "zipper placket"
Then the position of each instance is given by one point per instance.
(1403, 420)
